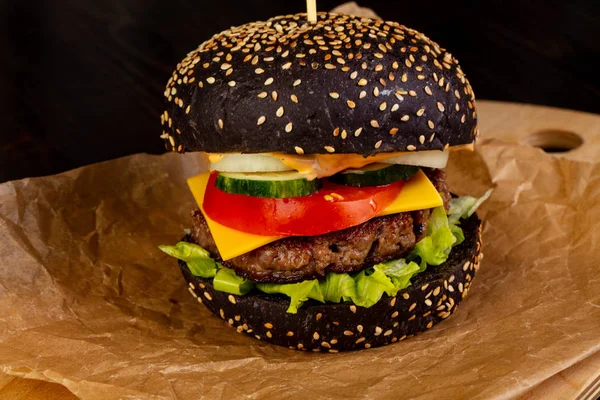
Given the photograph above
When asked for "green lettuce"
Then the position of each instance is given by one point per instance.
(465, 206)
(227, 281)
(297, 292)
(197, 259)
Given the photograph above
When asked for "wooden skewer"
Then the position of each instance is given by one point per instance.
(311, 10)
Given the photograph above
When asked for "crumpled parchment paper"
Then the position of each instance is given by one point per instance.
(88, 300)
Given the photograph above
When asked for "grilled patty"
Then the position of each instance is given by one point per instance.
(298, 258)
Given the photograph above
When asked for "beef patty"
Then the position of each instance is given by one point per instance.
(298, 258)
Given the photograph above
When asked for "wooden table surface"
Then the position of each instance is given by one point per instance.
(507, 121)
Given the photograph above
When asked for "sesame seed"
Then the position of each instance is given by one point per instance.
(382, 106)
(375, 91)
(422, 139)
(287, 65)
(430, 324)
(362, 82)
(405, 118)
(420, 112)
(268, 81)
(297, 82)
(336, 132)
(225, 66)
(231, 83)
(330, 66)
(262, 95)
(410, 147)
(259, 71)
(353, 75)
(289, 334)
(374, 123)
(348, 333)
(412, 93)
(231, 299)
(261, 120)
(329, 149)
(395, 314)
(395, 107)
(334, 95)
(188, 109)
(298, 149)
(463, 119)
(274, 95)
(378, 67)
(378, 331)
(220, 123)
(294, 98)
(357, 132)
(393, 131)
(387, 333)
(351, 104)
(362, 94)
(412, 307)
(316, 336)
(430, 124)
(210, 80)
(441, 107)
(378, 144)
(344, 134)
(428, 90)
(353, 308)
(288, 128)
(207, 295)
(431, 137)
(279, 111)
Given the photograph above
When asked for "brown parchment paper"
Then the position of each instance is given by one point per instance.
(88, 301)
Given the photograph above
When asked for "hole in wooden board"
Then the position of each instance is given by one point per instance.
(554, 140)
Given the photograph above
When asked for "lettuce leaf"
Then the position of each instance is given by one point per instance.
(197, 259)
(297, 292)
(400, 271)
(434, 248)
(338, 287)
(370, 286)
(227, 281)
(465, 206)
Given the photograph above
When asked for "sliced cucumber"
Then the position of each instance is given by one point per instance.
(374, 175)
(266, 184)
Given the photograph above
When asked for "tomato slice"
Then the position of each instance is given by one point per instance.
(332, 208)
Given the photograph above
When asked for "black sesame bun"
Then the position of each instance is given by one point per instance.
(432, 297)
(341, 85)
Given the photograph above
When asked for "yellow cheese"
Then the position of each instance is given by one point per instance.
(418, 193)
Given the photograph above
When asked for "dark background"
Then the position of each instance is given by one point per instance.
(81, 81)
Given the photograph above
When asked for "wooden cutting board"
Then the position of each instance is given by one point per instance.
(551, 128)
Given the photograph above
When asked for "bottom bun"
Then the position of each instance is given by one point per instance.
(432, 297)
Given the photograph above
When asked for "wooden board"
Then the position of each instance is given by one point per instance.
(506, 121)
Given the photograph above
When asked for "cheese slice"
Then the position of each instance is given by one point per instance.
(418, 193)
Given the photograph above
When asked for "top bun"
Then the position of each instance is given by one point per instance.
(341, 85)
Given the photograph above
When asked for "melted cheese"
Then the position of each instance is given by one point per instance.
(418, 193)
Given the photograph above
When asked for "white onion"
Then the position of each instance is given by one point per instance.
(248, 163)
(429, 158)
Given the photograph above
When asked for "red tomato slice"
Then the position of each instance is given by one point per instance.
(332, 208)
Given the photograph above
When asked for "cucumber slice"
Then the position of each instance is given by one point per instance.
(374, 175)
(267, 184)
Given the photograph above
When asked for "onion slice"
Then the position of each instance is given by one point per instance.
(248, 163)
(428, 158)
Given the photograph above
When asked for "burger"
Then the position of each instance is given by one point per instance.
(325, 222)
